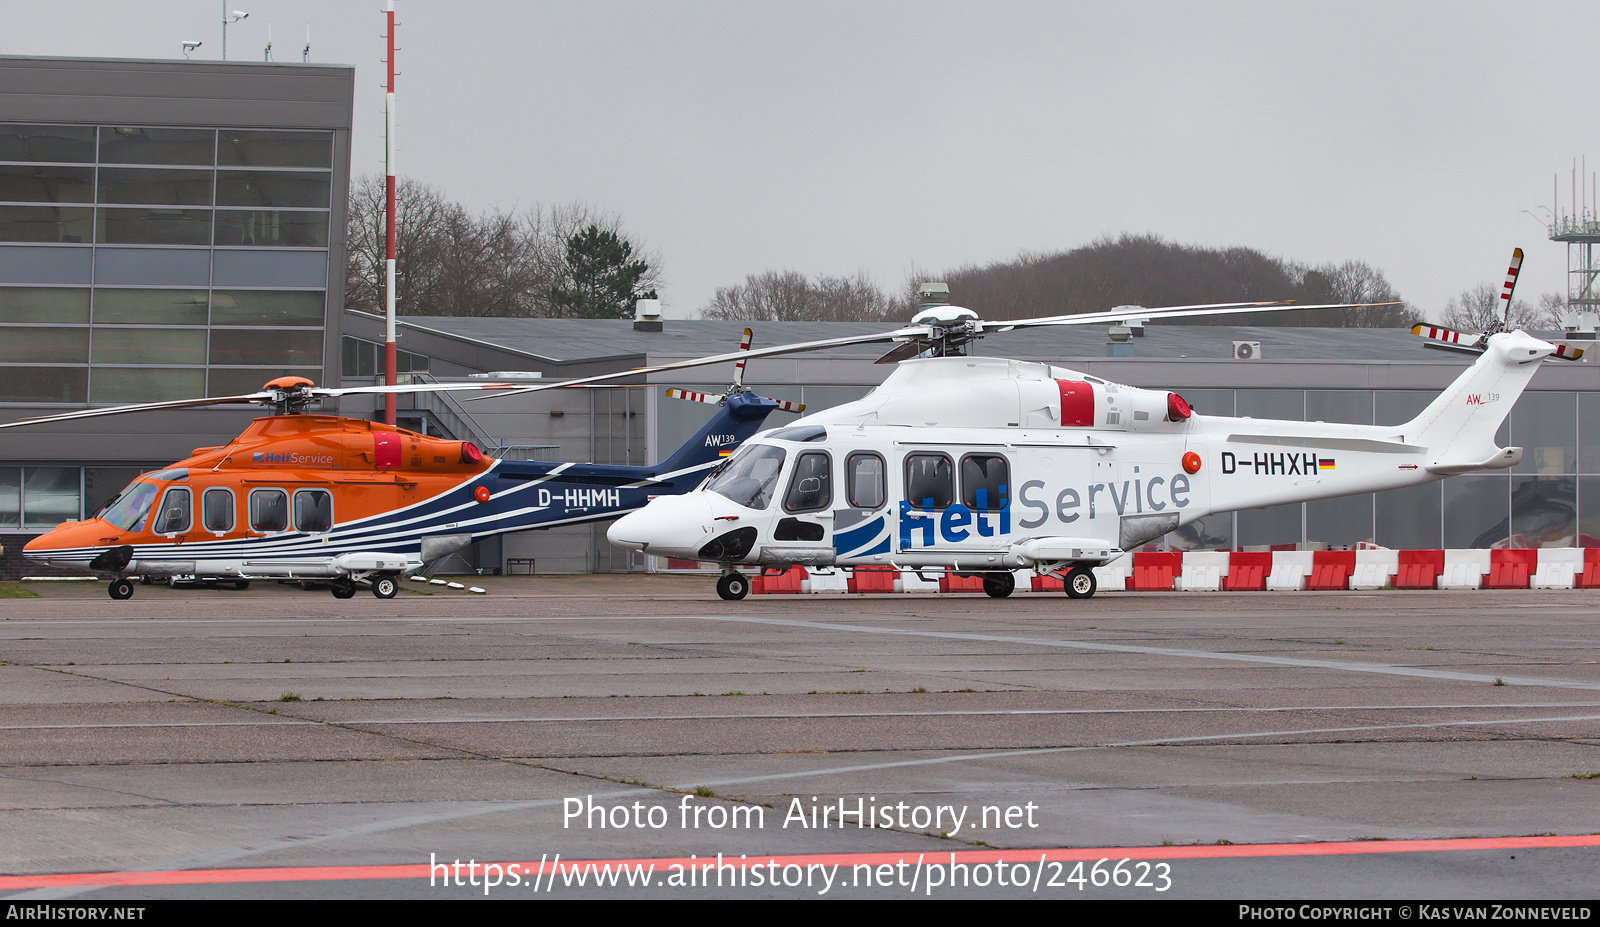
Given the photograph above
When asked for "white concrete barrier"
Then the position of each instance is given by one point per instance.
(1289, 570)
(1559, 568)
(1113, 577)
(1464, 569)
(1375, 569)
(1203, 570)
(832, 581)
(911, 582)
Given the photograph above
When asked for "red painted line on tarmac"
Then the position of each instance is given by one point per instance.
(662, 865)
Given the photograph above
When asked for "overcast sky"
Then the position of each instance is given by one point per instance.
(834, 137)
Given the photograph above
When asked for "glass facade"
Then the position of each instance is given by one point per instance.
(39, 498)
(204, 260)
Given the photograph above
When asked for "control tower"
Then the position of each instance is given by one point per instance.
(1579, 228)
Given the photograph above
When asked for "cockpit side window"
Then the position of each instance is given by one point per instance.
(811, 485)
(177, 512)
(930, 480)
(750, 477)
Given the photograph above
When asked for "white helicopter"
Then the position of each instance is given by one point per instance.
(980, 466)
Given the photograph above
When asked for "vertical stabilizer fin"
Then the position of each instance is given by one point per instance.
(1459, 426)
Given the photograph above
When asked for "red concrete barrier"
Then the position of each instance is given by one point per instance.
(1589, 578)
(950, 582)
(1419, 569)
(1511, 569)
(1331, 569)
(1247, 571)
(871, 579)
(785, 583)
(1155, 571)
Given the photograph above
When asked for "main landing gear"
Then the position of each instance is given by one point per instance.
(343, 590)
(1080, 583)
(999, 585)
(733, 586)
(121, 589)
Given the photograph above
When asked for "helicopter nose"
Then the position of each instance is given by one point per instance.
(669, 525)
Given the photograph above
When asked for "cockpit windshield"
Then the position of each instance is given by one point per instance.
(130, 508)
(749, 477)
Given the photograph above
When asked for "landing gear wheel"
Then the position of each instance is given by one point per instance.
(1080, 583)
(385, 587)
(241, 584)
(121, 589)
(146, 581)
(999, 585)
(343, 590)
(733, 586)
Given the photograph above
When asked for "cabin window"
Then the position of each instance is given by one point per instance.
(811, 486)
(269, 510)
(930, 482)
(750, 477)
(984, 482)
(313, 510)
(176, 513)
(864, 473)
(216, 510)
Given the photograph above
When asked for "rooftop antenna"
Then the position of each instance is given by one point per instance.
(229, 17)
(305, 53)
(269, 42)
(189, 47)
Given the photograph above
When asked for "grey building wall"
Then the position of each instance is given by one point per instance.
(125, 277)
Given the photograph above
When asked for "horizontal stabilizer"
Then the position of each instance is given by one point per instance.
(1499, 460)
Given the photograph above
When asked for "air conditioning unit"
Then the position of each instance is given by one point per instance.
(1247, 350)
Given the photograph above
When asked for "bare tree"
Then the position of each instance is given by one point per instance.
(450, 262)
(789, 296)
(1478, 309)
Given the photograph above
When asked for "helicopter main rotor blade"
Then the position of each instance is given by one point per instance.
(899, 334)
(1168, 312)
(332, 392)
(262, 397)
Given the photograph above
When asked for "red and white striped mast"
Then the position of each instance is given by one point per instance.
(389, 351)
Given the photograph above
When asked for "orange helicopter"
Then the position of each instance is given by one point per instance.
(350, 502)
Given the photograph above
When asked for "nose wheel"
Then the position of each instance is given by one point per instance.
(733, 586)
(1080, 583)
(385, 586)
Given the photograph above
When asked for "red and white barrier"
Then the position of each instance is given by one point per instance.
(1246, 571)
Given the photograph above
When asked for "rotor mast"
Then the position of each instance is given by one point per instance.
(390, 354)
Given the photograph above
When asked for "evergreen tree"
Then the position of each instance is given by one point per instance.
(601, 280)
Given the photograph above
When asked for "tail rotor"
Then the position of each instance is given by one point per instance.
(737, 386)
(1477, 342)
